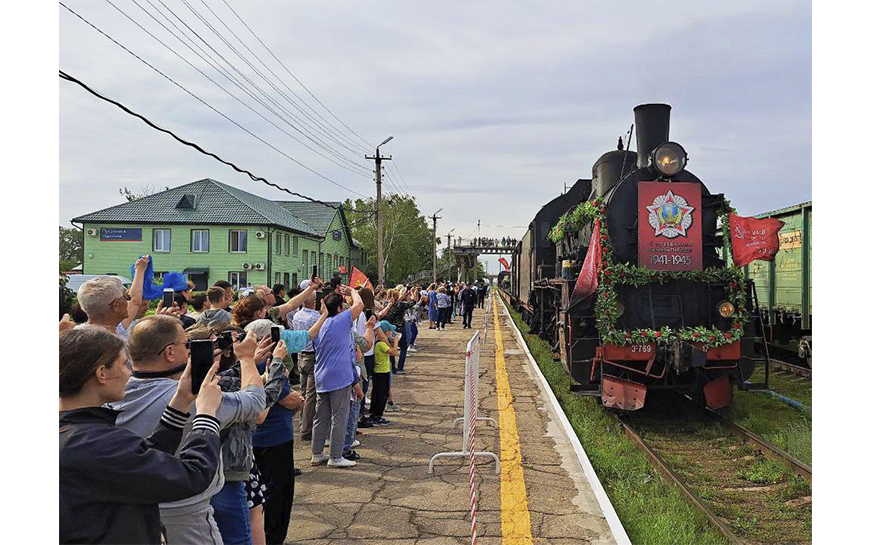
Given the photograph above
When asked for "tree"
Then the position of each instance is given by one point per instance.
(408, 240)
(71, 247)
(144, 191)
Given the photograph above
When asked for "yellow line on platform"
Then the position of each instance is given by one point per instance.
(513, 490)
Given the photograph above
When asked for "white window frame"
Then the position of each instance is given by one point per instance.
(278, 244)
(239, 275)
(230, 241)
(194, 233)
(154, 237)
(296, 246)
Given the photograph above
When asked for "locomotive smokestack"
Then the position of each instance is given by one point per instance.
(652, 129)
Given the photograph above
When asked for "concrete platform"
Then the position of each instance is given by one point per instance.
(390, 498)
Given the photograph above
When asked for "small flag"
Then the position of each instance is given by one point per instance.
(505, 263)
(754, 239)
(359, 279)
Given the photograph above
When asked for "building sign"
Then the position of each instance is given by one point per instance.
(337, 235)
(790, 240)
(123, 235)
(670, 226)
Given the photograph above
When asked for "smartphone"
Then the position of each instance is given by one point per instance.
(168, 297)
(275, 333)
(368, 313)
(202, 354)
(314, 272)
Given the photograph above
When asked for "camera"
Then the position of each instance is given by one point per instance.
(225, 339)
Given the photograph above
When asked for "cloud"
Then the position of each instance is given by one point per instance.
(493, 105)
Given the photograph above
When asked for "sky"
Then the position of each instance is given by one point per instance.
(493, 106)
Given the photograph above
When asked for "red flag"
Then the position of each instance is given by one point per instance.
(505, 263)
(588, 280)
(754, 239)
(359, 279)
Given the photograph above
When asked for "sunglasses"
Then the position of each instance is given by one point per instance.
(186, 343)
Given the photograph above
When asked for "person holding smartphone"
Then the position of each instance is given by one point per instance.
(160, 351)
(112, 480)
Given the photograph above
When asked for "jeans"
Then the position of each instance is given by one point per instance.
(404, 347)
(331, 417)
(413, 332)
(307, 388)
(351, 428)
(443, 317)
(369, 363)
(276, 465)
(231, 513)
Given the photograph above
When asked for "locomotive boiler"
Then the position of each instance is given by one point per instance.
(623, 276)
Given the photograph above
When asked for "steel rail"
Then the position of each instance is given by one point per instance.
(768, 449)
(691, 496)
(791, 368)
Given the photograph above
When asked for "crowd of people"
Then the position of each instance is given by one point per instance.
(490, 242)
(156, 448)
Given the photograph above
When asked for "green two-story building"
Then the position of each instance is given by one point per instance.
(212, 231)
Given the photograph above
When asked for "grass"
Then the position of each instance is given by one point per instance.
(651, 510)
(782, 425)
(762, 471)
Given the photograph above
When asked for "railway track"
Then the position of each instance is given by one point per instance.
(752, 491)
(791, 368)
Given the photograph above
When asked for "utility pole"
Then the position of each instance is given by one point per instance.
(379, 218)
(435, 217)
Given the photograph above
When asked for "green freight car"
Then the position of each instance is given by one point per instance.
(784, 285)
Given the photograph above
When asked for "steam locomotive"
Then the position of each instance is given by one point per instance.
(667, 312)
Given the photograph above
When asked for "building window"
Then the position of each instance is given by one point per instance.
(294, 279)
(287, 244)
(158, 276)
(162, 241)
(296, 246)
(237, 279)
(288, 280)
(199, 240)
(238, 242)
(278, 243)
(306, 262)
(279, 278)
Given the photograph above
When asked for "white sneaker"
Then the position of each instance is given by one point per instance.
(340, 462)
(413, 349)
(392, 407)
(367, 402)
(355, 444)
(318, 459)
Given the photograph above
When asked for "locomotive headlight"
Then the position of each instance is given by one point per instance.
(726, 309)
(669, 159)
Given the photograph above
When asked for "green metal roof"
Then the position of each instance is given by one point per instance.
(316, 216)
(782, 211)
(214, 203)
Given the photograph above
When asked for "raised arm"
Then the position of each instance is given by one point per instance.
(136, 290)
(298, 300)
(316, 327)
(356, 305)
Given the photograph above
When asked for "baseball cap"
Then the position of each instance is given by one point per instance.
(305, 284)
(386, 326)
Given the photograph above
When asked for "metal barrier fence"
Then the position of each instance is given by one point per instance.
(470, 408)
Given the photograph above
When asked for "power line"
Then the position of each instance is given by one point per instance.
(214, 64)
(302, 111)
(295, 161)
(256, 71)
(368, 145)
(64, 75)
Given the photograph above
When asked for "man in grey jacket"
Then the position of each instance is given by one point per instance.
(159, 350)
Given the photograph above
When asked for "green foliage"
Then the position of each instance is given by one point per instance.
(144, 191)
(66, 295)
(71, 247)
(408, 239)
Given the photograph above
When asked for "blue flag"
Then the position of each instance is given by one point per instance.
(150, 290)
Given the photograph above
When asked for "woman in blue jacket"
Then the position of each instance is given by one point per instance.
(432, 311)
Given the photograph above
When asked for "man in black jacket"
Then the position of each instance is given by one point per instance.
(467, 299)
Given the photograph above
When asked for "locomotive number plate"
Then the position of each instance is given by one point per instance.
(641, 348)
